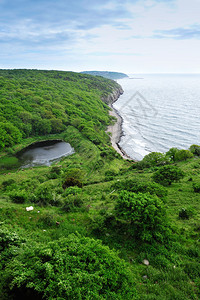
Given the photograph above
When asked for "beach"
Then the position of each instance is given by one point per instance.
(115, 131)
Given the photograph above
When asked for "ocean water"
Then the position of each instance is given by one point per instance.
(159, 112)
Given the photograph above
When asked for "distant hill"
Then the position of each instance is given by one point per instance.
(106, 74)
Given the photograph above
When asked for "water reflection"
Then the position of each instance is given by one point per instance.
(44, 153)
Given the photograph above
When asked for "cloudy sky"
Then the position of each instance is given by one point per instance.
(132, 36)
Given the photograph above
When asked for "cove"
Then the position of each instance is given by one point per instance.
(44, 153)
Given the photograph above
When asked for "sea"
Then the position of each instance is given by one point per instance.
(159, 111)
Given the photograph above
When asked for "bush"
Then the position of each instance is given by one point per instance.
(183, 214)
(71, 181)
(72, 203)
(195, 149)
(146, 215)
(168, 174)
(110, 174)
(18, 196)
(7, 183)
(154, 159)
(54, 173)
(46, 193)
(71, 268)
(136, 186)
(8, 238)
(171, 153)
(72, 190)
(181, 155)
(196, 187)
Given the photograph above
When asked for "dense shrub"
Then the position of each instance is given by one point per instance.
(153, 159)
(8, 238)
(18, 196)
(168, 174)
(46, 193)
(146, 215)
(71, 268)
(176, 154)
(110, 175)
(54, 173)
(181, 155)
(196, 187)
(183, 214)
(7, 183)
(72, 190)
(71, 181)
(72, 203)
(195, 149)
(136, 186)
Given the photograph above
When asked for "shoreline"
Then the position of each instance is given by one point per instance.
(116, 132)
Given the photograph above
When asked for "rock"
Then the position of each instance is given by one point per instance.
(146, 262)
(29, 208)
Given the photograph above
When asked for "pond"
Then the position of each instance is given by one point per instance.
(44, 153)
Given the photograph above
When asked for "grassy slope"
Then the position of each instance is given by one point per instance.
(173, 272)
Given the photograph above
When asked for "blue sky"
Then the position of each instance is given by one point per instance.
(138, 36)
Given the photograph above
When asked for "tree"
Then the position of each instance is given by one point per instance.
(195, 149)
(9, 135)
(176, 154)
(146, 215)
(168, 174)
(70, 268)
(154, 159)
(182, 155)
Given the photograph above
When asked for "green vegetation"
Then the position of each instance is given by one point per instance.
(46, 102)
(106, 74)
(101, 227)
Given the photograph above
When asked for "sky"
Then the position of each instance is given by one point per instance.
(131, 36)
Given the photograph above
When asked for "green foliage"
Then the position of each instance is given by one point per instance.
(9, 162)
(153, 159)
(195, 149)
(7, 183)
(36, 103)
(196, 187)
(72, 203)
(181, 155)
(110, 175)
(137, 186)
(47, 193)
(178, 155)
(71, 268)
(183, 214)
(71, 181)
(9, 135)
(8, 238)
(18, 196)
(146, 215)
(72, 190)
(168, 174)
(108, 153)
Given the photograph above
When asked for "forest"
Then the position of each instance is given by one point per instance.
(100, 226)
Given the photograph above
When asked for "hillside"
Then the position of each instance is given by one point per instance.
(106, 74)
(35, 103)
(101, 227)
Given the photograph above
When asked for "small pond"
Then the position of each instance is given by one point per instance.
(44, 153)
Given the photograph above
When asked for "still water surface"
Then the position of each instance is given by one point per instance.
(45, 154)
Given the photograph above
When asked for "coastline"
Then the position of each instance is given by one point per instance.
(116, 132)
